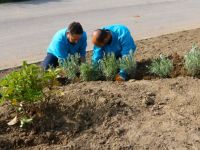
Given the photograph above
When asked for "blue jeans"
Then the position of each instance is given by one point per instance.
(50, 61)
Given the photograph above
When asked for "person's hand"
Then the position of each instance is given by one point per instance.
(119, 78)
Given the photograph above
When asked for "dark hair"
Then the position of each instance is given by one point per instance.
(102, 35)
(75, 28)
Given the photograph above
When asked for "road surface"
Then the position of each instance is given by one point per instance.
(26, 28)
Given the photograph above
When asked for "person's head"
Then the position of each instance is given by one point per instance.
(74, 32)
(101, 37)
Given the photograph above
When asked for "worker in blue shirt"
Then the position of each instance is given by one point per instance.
(65, 42)
(115, 39)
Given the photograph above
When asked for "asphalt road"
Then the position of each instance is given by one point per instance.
(26, 28)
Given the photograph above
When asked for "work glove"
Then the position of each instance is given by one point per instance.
(121, 76)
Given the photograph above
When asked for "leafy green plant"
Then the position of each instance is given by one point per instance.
(128, 64)
(71, 66)
(50, 77)
(161, 66)
(192, 61)
(90, 72)
(109, 66)
(26, 86)
(23, 85)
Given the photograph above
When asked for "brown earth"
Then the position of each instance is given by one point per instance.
(137, 114)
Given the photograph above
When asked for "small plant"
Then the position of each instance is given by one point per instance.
(25, 121)
(192, 61)
(50, 77)
(128, 64)
(26, 86)
(161, 66)
(109, 66)
(71, 66)
(90, 72)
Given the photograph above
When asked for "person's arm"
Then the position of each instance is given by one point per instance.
(127, 44)
(97, 54)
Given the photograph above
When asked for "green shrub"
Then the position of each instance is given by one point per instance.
(192, 61)
(26, 86)
(128, 64)
(50, 77)
(161, 66)
(71, 66)
(90, 72)
(109, 66)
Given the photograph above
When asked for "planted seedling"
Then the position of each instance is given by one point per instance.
(161, 66)
(128, 64)
(90, 72)
(109, 66)
(71, 66)
(192, 61)
(25, 121)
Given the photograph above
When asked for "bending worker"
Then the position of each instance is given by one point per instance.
(66, 41)
(115, 39)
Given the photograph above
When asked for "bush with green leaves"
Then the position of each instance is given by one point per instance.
(90, 72)
(109, 66)
(26, 86)
(192, 61)
(50, 77)
(71, 66)
(128, 64)
(161, 66)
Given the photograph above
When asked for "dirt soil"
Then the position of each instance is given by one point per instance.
(156, 114)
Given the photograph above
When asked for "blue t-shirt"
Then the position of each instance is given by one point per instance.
(121, 44)
(61, 47)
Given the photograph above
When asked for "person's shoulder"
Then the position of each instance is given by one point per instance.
(60, 33)
(84, 36)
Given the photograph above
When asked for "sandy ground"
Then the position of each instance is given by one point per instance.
(156, 114)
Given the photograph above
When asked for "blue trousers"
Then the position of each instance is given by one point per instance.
(50, 61)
